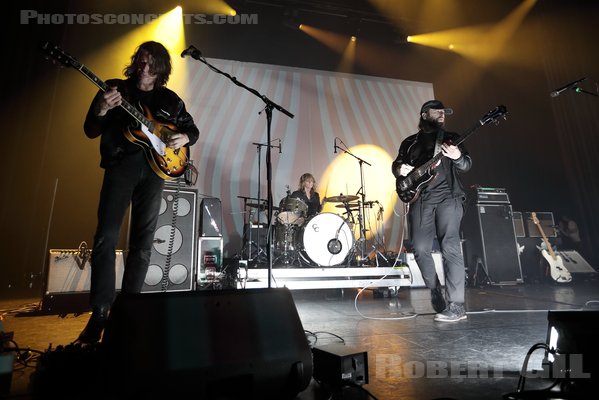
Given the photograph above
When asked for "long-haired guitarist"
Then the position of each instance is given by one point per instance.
(435, 205)
(135, 166)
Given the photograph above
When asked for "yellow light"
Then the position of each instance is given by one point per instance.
(343, 176)
(353, 38)
(409, 38)
(301, 26)
(451, 46)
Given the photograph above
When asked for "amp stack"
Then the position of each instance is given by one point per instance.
(490, 246)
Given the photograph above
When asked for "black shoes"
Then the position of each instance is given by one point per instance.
(437, 299)
(92, 333)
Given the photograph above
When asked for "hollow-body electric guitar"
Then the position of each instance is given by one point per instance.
(408, 188)
(148, 133)
(558, 272)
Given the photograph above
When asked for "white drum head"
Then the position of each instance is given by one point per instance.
(327, 239)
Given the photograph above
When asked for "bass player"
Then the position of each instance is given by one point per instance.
(437, 208)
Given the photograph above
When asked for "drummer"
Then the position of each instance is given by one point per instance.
(306, 192)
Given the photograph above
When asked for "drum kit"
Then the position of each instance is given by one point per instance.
(321, 240)
(324, 239)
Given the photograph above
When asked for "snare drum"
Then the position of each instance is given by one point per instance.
(325, 240)
(292, 211)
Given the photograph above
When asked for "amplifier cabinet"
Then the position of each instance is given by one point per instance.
(69, 271)
(490, 241)
(546, 221)
(68, 280)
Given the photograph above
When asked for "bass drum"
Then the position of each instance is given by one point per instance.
(325, 240)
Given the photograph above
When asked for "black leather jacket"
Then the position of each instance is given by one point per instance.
(412, 151)
(164, 105)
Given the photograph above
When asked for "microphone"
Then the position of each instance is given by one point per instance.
(335, 145)
(279, 146)
(571, 85)
(191, 51)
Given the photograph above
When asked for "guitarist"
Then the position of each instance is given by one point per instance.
(128, 176)
(438, 209)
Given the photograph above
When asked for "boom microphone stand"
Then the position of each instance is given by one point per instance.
(197, 55)
(362, 194)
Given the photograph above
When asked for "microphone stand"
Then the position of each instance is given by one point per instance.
(197, 55)
(268, 230)
(362, 193)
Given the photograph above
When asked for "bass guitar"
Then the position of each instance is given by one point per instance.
(559, 273)
(148, 133)
(408, 188)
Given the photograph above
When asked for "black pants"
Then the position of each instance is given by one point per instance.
(133, 182)
(443, 219)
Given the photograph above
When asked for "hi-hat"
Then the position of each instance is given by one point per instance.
(260, 206)
(341, 198)
(351, 206)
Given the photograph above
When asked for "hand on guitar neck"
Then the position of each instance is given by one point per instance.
(556, 267)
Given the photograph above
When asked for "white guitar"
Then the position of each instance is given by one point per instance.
(559, 273)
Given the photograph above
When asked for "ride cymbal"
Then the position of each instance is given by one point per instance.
(341, 198)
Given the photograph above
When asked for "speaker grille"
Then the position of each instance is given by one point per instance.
(490, 238)
(178, 240)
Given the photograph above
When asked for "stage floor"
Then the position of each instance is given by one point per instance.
(410, 356)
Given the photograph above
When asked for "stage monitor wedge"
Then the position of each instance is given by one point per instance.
(208, 344)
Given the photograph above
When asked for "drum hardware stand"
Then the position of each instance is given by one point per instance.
(403, 230)
(197, 55)
(377, 253)
(362, 194)
(247, 221)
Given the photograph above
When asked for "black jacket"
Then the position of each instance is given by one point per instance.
(412, 151)
(164, 105)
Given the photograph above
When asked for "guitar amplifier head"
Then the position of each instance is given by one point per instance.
(484, 195)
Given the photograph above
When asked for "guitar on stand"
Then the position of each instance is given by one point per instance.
(556, 268)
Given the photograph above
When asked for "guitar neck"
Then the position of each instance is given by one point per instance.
(545, 240)
(134, 112)
(424, 167)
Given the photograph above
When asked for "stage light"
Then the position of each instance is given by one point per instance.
(353, 38)
(574, 345)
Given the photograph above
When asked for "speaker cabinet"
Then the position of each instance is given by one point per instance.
(213, 344)
(490, 243)
(211, 219)
(518, 224)
(172, 264)
(68, 280)
(546, 221)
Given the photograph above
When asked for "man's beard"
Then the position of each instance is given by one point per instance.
(428, 126)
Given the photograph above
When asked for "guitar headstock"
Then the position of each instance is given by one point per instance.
(535, 220)
(59, 56)
(494, 115)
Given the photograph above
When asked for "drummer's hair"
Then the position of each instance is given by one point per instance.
(303, 179)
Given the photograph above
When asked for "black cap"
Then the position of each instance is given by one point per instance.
(435, 105)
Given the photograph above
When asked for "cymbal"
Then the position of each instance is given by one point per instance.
(351, 206)
(341, 198)
(261, 206)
